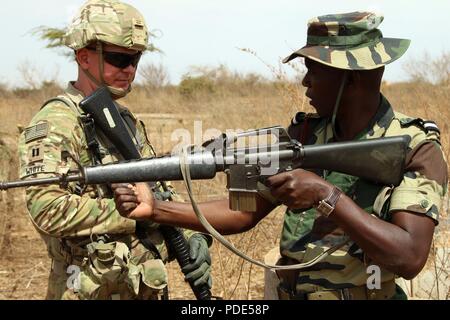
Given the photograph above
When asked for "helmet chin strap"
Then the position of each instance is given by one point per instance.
(116, 92)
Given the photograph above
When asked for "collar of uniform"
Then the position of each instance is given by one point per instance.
(74, 94)
(380, 122)
(376, 128)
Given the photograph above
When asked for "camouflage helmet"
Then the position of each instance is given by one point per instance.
(350, 41)
(107, 21)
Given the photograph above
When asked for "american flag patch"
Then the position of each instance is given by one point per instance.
(36, 132)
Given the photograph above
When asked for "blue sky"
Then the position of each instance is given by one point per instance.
(208, 32)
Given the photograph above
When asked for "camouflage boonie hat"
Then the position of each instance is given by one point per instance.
(108, 21)
(350, 41)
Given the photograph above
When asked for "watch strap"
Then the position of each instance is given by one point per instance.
(327, 206)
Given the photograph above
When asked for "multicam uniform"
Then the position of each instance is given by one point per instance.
(71, 220)
(352, 41)
(306, 234)
(84, 233)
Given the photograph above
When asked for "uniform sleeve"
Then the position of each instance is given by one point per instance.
(56, 211)
(425, 181)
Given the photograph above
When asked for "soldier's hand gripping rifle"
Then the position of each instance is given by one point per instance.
(379, 160)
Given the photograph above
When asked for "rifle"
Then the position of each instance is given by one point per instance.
(380, 160)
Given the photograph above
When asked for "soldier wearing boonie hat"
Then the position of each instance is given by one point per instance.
(350, 41)
(94, 250)
(388, 227)
(359, 223)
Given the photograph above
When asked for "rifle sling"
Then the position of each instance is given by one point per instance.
(91, 138)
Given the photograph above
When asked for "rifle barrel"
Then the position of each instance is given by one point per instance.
(39, 182)
(202, 166)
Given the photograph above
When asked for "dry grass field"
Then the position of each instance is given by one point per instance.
(221, 100)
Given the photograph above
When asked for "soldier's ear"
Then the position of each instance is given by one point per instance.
(82, 58)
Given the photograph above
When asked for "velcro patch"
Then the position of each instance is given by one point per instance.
(36, 132)
(36, 153)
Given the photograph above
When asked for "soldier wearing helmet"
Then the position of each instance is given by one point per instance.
(95, 253)
(110, 33)
(359, 223)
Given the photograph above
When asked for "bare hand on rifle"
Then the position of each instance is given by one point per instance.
(299, 189)
(133, 201)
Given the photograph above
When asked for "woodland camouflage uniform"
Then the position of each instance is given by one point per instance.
(353, 42)
(81, 226)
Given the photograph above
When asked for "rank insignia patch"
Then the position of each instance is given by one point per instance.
(35, 153)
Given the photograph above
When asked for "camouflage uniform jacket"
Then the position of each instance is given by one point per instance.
(67, 219)
(306, 234)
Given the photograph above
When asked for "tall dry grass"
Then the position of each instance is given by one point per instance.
(223, 100)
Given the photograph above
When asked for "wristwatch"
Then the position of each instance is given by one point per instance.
(326, 206)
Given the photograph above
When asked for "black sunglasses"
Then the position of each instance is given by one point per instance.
(120, 60)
